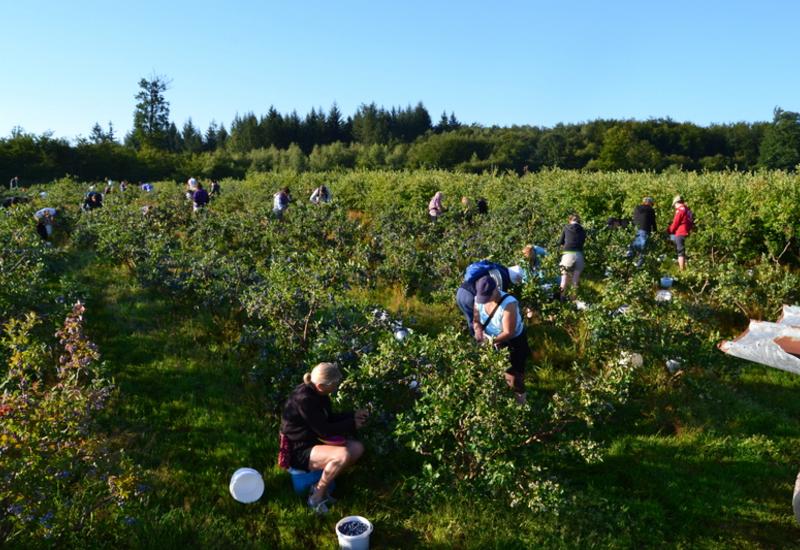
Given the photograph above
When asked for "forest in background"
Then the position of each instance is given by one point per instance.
(397, 138)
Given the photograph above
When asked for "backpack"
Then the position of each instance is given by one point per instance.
(476, 270)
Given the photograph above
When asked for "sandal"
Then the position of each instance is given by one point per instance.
(328, 497)
(320, 507)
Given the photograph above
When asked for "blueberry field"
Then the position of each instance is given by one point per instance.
(147, 350)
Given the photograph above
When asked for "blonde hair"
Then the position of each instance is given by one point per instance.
(325, 374)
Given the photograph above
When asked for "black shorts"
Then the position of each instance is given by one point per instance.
(518, 353)
(301, 455)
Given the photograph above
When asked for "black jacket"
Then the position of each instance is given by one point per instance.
(308, 416)
(644, 216)
(572, 237)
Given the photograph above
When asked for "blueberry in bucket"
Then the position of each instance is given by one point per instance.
(352, 528)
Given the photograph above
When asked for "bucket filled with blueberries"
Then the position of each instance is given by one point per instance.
(354, 532)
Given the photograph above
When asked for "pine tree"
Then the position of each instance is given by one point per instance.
(151, 117)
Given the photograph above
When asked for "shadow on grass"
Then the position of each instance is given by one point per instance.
(680, 491)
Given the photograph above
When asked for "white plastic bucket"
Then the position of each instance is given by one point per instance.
(246, 485)
(355, 542)
(663, 296)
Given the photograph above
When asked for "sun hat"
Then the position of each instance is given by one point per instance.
(677, 199)
(484, 289)
(515, 274)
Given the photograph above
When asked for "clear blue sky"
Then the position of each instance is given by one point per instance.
(67, 64)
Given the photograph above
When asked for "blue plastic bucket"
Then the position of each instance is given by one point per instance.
(302, 480)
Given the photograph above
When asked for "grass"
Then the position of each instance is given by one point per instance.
(707, 461)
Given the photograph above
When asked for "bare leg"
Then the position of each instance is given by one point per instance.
(682, 262)
(564, 282)
(516, 383)
(332, 460)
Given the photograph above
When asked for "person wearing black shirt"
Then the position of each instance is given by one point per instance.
(572, 238)
(644, 216)
(319, 438)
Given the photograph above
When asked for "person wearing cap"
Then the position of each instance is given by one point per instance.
(504, 276)
(682, 224)
(497, 316)
(644, 216)
(190, 188)
(572, 239)
(318, 438)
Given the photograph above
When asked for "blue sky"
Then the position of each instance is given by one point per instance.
(65, 65)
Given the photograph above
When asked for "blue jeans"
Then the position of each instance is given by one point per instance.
(638, 245)
(466, 303)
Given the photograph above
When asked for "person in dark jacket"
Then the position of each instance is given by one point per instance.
(465, 295)
(572, 238)
(93, 200)
(320, 439)
(215, 188)
(644, 216)
(199, 197)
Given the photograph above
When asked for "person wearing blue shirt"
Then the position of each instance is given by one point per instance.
(497, 320)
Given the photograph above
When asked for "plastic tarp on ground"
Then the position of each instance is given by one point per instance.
(773, 344)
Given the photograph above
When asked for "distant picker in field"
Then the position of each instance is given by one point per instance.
(280, 202)
(682, 224)
(644, 216)
(44, 222)
(92, 201)
(215, 188)
(199, 198)
(435, 207)
(14, 183)
(572, 238)
(313, 437)
(191, 187)
(320, 195)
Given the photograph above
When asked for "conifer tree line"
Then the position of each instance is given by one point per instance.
(395, 138)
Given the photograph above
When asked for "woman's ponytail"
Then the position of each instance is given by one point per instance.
(307, 378)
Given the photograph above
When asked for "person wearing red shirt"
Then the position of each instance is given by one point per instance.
(682, 224)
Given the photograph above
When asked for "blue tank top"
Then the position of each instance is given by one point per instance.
(495, 327)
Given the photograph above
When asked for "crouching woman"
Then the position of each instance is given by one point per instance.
(319, 438)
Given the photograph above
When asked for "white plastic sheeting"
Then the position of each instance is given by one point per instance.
(790, 316)
(758, 342)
